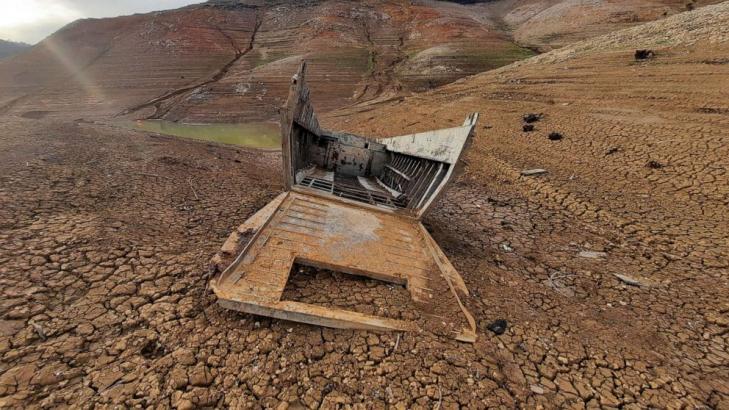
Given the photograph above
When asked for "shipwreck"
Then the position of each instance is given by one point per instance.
(352, 205)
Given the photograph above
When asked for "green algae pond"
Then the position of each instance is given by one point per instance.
(263, 135)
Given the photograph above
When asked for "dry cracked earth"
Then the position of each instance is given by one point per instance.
(611, 269)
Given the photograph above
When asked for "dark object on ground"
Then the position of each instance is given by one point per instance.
(612, 150)
(530, 118)
(498, 326)
(654, 164)
(554, 136)
(528, 128)
(644, 54)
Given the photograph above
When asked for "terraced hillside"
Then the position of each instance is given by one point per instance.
(230, 61)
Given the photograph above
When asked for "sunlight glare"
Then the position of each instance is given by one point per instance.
(15, 13)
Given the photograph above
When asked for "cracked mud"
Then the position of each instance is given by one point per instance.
(612, 275)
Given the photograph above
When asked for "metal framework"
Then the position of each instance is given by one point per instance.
(352, 205)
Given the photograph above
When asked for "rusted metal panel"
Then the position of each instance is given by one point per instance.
(354, 209)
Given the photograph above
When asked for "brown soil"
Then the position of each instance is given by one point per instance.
(105, 237)
(363, 295)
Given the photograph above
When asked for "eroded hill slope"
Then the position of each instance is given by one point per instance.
(229, 61)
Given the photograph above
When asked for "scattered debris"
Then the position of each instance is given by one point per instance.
(555, 136)
(189, 181)
(39, 330)
(533, 172)
(644, 54)
(397, 343)
(530, 118)
(592, 254)
(506, 247)
(498, 326)
(628, 280)
(555, 282)
(654, 164)
(528, 127)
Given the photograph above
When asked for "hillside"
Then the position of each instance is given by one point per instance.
(10, 48)
(229, 61)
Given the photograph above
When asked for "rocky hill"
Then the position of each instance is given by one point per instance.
(10, 48)
(229, 61)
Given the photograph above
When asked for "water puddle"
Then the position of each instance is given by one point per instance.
(255, 135)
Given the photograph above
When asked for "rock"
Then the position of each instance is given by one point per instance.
(628, 280)
(498, 326)
(644, 54)
(531, 117)
(555, 136)
(528, 127)
(654, 164)
(592, 254)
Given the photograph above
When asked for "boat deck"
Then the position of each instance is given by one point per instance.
(334, 235)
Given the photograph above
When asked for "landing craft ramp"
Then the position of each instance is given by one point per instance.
(352, 205)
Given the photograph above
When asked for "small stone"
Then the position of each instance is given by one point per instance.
(644, 54)
(555, 136)
(531, 117)
(498, 326)
(592, 254)
(654, 164)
